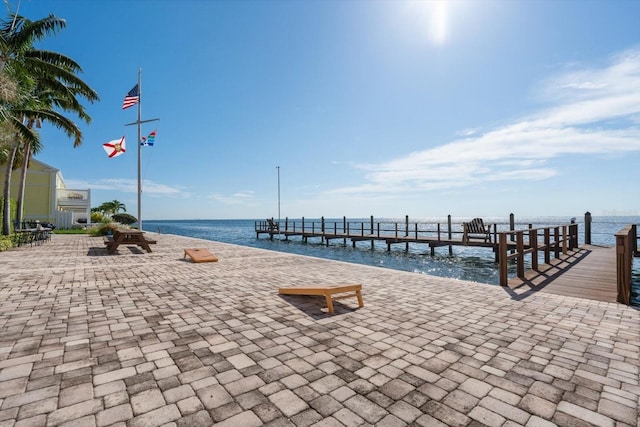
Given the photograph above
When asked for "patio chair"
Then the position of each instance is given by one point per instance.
(273, 226)
(476, 229)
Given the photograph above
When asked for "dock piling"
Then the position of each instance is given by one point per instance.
(450, 234)
(587, 228)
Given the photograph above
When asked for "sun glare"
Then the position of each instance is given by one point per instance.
(438, 21)
(432, 19)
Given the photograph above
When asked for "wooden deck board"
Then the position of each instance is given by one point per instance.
(588, 272)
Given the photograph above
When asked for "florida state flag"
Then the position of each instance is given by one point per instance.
(115, 148)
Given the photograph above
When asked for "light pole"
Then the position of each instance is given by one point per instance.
(278, 168)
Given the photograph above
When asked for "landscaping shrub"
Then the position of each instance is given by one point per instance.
(5, 243)
(103, 230)
(124, 218)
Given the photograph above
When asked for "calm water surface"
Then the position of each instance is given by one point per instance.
(465, 263)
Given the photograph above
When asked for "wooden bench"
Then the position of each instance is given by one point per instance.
(330, 292)
(200, 255)
(476, 228)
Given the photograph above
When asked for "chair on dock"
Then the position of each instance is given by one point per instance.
(273, 226)
(476, 229)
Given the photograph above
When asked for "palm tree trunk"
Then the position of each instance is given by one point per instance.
(6, 208)
(23, 180)
(23, 176)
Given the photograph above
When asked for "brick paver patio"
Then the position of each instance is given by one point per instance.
(138, 339)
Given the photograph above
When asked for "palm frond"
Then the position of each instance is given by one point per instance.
(24, 32)
(54, 58)
(64, 75)
(24, 134)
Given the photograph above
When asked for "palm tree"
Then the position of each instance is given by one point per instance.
(111, 208)
(116, 206)
(21, 134)
(14, 43)
(47, 82)
(56, 91)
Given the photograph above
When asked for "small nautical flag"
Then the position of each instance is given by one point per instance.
(131, 98)
(147, 141)
(115, 148)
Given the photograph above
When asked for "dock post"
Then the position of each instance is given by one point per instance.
(286, 227)
(372, 241)
(512, 227)
(344, 229)
(502, 259)
(304, 238)
(406, 231)
(587, 228)
(271, 230)
(573, 237)
(449, 224)
(520, 255)
(533, 242)
(547, 242)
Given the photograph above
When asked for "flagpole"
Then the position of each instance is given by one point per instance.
(278, 168)
(139, 141)
(139, 150)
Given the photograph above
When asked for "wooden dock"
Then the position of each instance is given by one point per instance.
(556, 263)
(587, 272)
(434, 235)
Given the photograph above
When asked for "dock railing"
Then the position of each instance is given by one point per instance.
(626, 249)
(368, 230)
(534, 242)
(443, 233)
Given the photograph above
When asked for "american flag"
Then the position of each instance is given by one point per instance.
(132, 98)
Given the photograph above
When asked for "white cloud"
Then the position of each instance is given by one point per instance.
(593, 111)
(125, 185)
(245, 198)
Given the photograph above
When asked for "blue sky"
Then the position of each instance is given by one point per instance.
(384, 108)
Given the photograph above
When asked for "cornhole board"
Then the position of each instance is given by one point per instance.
(200, 255)
(330, 292)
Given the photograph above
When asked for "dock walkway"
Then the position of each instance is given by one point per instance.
(587, 272)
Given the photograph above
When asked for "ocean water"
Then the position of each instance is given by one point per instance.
(465, 263)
